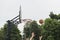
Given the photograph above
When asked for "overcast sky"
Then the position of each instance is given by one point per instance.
(31, 9)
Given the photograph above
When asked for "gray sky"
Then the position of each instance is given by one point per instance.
(31, 9)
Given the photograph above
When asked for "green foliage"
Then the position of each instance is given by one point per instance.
(54, 16)
(59, 16)
(1, 34)
(52, 29)
(14, 34)
(32, 27)
(27, 30)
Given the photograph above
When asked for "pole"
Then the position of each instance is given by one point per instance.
(9, 26)
(10, 23)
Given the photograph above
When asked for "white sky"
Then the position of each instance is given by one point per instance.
(31, 9)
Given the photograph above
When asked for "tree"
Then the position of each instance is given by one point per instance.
(52, 29)
(53, 16)
(32, 27)
(27, 30)
(1, 34)
(57, 26)
(14, 34)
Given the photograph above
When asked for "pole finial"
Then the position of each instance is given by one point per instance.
(20, 14)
